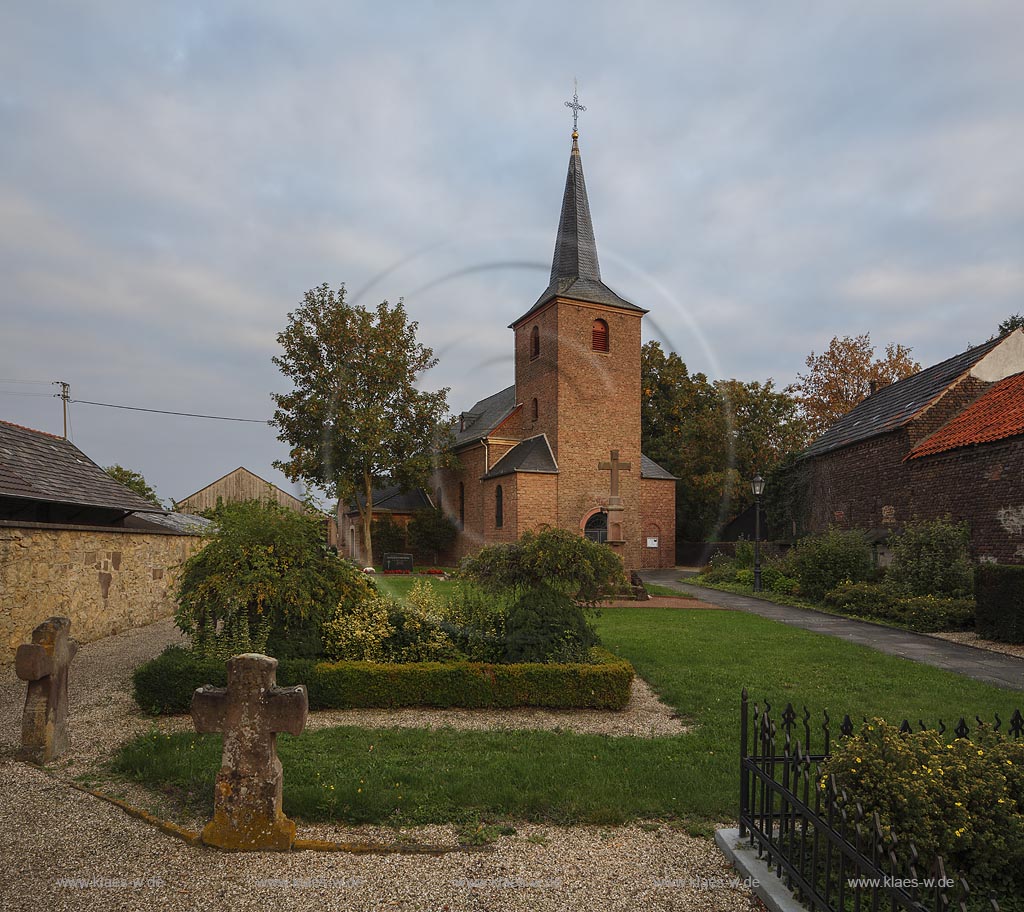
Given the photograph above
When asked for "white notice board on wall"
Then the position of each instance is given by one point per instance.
(652, 543)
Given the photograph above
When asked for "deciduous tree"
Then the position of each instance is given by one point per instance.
(714, 436)
(843, 376)
(355, 418)
(134, 482)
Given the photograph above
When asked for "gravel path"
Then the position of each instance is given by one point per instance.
(65, 849)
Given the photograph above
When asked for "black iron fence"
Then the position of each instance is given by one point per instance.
(832, 852)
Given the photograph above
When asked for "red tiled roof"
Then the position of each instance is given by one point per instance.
(996, 415)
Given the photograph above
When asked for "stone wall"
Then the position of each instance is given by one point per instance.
(104, 579)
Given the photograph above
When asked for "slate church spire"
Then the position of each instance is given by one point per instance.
(575, 270)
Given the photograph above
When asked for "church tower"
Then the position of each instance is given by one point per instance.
(561, 446)
(577, 371)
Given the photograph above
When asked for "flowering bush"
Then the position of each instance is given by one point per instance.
(963, 800)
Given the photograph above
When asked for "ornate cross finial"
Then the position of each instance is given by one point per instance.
(576, 108)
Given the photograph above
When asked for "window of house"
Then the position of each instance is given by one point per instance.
(499, 507)
(599, 336)
(533, 409)
(462, 505)
(535, 342)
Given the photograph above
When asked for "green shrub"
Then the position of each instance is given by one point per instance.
(777, 581)
(720, 569)
(745, 577)
(962, 800)
(431, 532)
(922, 613)
(387, 536)
(265, 570)
(558, 559)
(545, 626)
(743, 555)
(821, 562)
(475, 620)
(166, 684)
(999, 593)
(360, 632)
(931, 558)
(416, 637)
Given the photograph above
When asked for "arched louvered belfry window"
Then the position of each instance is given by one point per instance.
(499, 507)
(535, 342)
(599, 336)
(534, 409)
(462, 505)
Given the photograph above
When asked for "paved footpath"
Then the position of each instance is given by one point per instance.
(980, 664)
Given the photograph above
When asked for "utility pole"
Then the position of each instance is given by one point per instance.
(65, 396)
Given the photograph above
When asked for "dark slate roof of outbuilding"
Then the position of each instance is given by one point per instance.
(486, 415)
(531, 455)
(38, 466)
(187, 523)
(650, 469)
(395, 500)
(894, 405)
(575, 270)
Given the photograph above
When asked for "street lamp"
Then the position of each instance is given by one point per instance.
(757, 486)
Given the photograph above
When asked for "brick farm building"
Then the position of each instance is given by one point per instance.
(560, 447)
(945, 442)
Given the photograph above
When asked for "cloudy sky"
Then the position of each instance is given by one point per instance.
(762, 177)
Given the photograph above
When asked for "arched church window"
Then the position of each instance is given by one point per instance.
(599, 336)
(462, 505)
(533, 409)
(535, 342)
(499, 507)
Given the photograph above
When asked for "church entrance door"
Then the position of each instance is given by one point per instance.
(596, 528)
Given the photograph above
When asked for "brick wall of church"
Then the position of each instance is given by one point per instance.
(868, 486)
(537, 499)
(510, 509)
(588, 405)
(537, 378)
(658, 513)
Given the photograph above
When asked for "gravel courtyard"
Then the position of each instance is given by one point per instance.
(66, 849)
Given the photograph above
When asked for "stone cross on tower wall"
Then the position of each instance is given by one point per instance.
(44, 664)
(615, 500)
(250, 711)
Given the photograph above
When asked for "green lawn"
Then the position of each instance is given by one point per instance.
(698, 661)
(399, 586)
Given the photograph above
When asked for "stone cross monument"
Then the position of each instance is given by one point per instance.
(615, 499)
(44, 664)
(247, 813)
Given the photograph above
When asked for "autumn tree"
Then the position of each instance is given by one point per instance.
(134, 482)
(355, 419)
(843, 376)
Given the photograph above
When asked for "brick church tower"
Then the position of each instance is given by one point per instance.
(561, 447)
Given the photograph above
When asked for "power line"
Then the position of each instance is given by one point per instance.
(37, 382)
(135, 408)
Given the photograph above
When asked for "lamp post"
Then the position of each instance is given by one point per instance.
(757, 486)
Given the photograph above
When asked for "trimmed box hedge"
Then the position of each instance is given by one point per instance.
(999, 594)
(165, 685)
